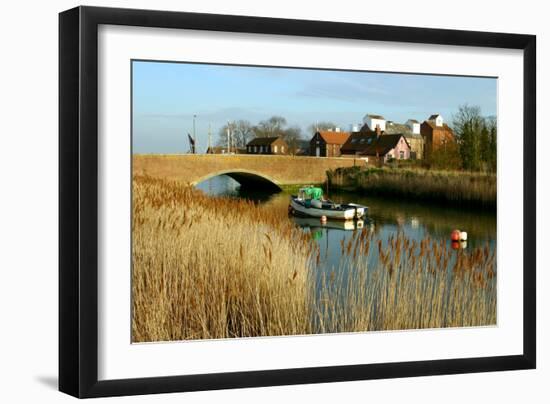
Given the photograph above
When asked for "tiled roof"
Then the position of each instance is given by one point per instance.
(357, 142)
(333, 137)
(383, 144)
(262, 141)
(396, 128)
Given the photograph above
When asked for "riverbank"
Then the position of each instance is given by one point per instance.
(448, 187)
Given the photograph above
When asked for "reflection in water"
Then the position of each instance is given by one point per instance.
(386, 218)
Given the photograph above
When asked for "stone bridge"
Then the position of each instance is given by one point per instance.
(258, 171)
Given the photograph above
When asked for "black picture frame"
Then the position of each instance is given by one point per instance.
(78, 201)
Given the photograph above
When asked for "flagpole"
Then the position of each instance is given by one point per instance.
(194, 136)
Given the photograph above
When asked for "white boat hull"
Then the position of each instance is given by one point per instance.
(356, 212)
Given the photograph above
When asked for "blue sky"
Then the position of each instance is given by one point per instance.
(167, 95)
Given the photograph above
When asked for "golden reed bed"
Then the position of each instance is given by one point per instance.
(453, 187)
(221, 268)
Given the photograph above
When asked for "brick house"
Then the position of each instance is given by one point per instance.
(327, 143)
(436, 134)
(267, 145)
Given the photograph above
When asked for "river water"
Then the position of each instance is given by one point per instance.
(386, 216)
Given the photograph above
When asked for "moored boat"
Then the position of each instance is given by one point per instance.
(310, 202)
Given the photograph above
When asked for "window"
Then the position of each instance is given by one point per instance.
(275, 149)
(282, 149)
(401, 155)
(254, 149)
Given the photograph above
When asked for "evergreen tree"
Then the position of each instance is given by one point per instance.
(484, 148)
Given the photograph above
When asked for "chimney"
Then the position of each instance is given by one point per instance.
(378, 131)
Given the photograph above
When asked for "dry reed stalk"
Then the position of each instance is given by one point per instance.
(213, 267)
(220, 268)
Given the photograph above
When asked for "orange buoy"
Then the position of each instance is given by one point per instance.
(455, 245)
(455, 235)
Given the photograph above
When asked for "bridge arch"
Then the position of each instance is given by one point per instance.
(247, 178)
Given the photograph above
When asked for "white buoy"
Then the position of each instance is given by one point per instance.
(323, 219)
(463, 236)
(463, 244)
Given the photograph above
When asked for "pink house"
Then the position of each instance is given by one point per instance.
(386, 147)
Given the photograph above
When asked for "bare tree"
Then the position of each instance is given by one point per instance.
(222, 134)
(271, 127)
(323, 125)
(242, 132)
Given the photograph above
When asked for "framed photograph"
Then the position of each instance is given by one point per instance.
(251, 201)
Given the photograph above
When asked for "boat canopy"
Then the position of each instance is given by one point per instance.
(312, 193)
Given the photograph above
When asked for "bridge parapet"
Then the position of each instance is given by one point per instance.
(279, 170)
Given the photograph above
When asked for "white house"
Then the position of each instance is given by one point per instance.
(414, 125)
(438, 119)
(372, 121)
